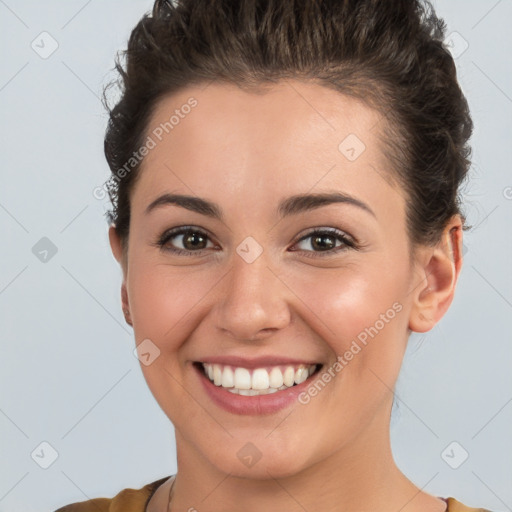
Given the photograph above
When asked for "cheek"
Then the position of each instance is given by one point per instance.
(366, 320)
(162, 298)
(351, 300)
(165, 302)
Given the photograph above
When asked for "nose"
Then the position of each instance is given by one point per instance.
(254, 301)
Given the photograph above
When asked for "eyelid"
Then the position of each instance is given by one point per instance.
(329, 230)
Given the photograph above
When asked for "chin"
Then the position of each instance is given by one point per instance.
(264, 469)
(258, 460)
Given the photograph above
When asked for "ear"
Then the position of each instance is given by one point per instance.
(117, 251)
(438, 271)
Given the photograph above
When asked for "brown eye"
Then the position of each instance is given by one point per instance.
(193, 240)
(324, 241)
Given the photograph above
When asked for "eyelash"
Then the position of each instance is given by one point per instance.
(348, 243)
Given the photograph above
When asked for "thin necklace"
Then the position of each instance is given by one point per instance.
(170, 490)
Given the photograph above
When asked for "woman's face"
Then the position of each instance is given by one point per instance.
(258, 287)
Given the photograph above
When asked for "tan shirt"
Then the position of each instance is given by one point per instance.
(136, 500)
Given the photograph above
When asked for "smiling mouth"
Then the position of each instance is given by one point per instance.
(257, 381)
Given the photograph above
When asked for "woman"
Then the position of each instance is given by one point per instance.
(285, 213)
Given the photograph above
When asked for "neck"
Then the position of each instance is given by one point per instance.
(361, 475)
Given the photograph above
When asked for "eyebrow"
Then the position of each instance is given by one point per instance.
(290, 206)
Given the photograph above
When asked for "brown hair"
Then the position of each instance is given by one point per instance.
(389, 54)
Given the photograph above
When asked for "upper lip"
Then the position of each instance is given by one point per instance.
(256, 362)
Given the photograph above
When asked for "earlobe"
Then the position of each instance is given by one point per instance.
(125, 304)
(117, 251)
(439, 271)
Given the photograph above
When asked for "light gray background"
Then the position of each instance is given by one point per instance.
(68, 374)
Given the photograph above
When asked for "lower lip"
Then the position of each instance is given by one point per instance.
(253, 405)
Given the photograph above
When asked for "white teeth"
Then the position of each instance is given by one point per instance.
(248, 392)
(259, 381)
(301, 375)
(217, 375)
(289, 376)
(227, 378)
(242, 378)
(276, 378)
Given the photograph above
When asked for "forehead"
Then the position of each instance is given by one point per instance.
(290, 138)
